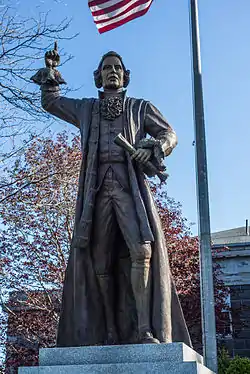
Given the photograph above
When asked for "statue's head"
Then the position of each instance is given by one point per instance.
(111, 72)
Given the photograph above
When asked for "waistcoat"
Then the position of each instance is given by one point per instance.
(110, 155)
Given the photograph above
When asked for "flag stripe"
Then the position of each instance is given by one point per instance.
(95, 7)
(126, 14)
(109, 14)
(119, 12)
(122, 22)
(98, 2)
(110, 9)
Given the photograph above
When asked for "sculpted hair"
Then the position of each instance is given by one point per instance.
(97, 72)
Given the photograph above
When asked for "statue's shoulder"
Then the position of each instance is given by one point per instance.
(136, 99)
(137, 104)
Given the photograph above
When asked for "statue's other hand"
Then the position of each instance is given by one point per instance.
(142, 155)
(52, 58)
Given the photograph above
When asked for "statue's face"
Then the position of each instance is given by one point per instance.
(112, 73)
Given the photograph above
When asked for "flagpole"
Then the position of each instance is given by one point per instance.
(206, 268)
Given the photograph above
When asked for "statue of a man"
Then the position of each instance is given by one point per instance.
(118, 287)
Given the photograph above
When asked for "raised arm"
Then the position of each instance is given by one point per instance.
(49, 80)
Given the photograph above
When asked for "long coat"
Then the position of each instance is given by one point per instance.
(81, 320)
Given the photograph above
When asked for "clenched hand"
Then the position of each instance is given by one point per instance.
(52, 58)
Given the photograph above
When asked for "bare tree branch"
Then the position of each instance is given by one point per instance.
(23, 42)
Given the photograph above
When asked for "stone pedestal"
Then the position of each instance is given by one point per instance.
(175, 358)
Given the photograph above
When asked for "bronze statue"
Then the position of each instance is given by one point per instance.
(118, 287)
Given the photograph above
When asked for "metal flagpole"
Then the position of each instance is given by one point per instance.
(206, 269)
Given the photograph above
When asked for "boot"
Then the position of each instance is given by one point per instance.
(147, 338)
(107, 292)
(140, 279)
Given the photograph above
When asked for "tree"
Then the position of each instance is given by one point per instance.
(23, 43)
(183, 249)
(37, 213)
(223, 360)
(240, 365)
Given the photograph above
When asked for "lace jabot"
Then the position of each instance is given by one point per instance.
(111, 107)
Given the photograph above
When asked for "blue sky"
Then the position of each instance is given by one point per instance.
(156, 48)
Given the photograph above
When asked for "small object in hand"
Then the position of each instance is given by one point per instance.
(122, 142)
(49, 75)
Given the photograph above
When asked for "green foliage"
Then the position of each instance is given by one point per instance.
(223, 360)
(239, 365)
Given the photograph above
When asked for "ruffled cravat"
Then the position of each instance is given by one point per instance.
(111, 107)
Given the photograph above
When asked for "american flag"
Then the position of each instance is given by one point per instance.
(109, 14)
